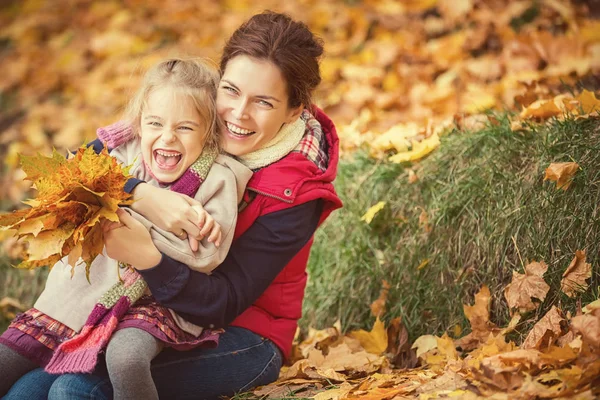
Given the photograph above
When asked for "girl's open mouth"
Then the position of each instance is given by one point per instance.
(166, 159)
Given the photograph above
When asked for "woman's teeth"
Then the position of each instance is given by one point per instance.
(237, 130)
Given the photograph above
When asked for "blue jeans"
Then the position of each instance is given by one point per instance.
(242, 361)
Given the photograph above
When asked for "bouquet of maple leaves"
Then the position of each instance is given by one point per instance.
(73, 195)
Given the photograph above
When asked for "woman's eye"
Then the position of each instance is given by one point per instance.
(265, 103)
(229, 89)
(186, 128)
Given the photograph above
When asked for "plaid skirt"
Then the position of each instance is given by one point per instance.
(35, 335)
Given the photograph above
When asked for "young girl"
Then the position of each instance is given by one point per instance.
(174, 143)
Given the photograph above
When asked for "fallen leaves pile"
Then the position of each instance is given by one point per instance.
(559, 358)
(73, 196)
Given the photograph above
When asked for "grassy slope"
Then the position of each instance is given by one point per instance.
(490, 213)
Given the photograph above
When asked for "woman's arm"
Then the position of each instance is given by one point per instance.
(253, 262)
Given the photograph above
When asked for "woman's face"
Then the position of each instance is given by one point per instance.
(252, 101)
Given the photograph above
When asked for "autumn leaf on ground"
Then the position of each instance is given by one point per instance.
(375, 341)
(371, 212)
(378, 306)
(526, 286)
(479, 316)
(561, 173)
(73, 196)
(546, 331)
(576, 274)
(588, 326)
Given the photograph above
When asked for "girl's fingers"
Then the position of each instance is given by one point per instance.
(200, 215)
(214, 234)
(208, 226)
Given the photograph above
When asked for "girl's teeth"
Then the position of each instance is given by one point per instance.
(166, 154)
(237, 130)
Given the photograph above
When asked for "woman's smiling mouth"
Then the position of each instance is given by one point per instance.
(166, 159)
(237, 131)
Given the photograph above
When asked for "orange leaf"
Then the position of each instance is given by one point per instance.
(561, 173)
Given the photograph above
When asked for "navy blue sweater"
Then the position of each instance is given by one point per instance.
(253, 262)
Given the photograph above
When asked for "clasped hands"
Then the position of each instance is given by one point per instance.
(170, 211)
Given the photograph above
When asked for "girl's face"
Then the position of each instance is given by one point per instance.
(172, 133)
(252, 101)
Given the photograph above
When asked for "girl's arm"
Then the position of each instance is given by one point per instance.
(253, 262)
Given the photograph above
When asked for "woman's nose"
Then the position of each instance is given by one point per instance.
(239, 110)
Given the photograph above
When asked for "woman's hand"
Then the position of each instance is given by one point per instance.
(130, 242)
(176, 213)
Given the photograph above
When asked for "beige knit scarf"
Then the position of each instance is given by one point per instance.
(281, 145)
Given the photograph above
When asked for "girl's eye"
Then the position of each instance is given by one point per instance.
(155, 123)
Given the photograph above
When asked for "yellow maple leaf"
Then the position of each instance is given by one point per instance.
(418, 151)
(561, 173)
(375, 341)
(372, 211)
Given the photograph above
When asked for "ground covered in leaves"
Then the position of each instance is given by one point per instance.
(469, 131)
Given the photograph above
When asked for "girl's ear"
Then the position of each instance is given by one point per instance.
(294, 113)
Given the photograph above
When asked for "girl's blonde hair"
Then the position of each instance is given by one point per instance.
(191, 77)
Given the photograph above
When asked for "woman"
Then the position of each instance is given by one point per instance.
(269, 69)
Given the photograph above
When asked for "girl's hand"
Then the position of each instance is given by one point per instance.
(130, 242)
(208, 226)
(174, 212)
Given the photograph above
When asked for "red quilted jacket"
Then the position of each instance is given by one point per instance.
(291, 181)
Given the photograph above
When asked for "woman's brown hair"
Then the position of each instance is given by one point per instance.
(288, 44)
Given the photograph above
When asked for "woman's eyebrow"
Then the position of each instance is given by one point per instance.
(260, 96)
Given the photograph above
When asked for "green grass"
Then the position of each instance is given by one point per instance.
(490, 214)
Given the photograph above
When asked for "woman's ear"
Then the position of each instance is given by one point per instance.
(294, 113)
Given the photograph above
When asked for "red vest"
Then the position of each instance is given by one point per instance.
(291, 181)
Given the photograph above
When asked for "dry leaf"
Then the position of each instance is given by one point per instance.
(378, 306)
(576, 274)
(561, 173)
(525, 287)
(546, 331)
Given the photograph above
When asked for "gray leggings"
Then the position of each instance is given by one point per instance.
(128, 357)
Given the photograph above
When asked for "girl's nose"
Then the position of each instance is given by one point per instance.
(168, 136)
